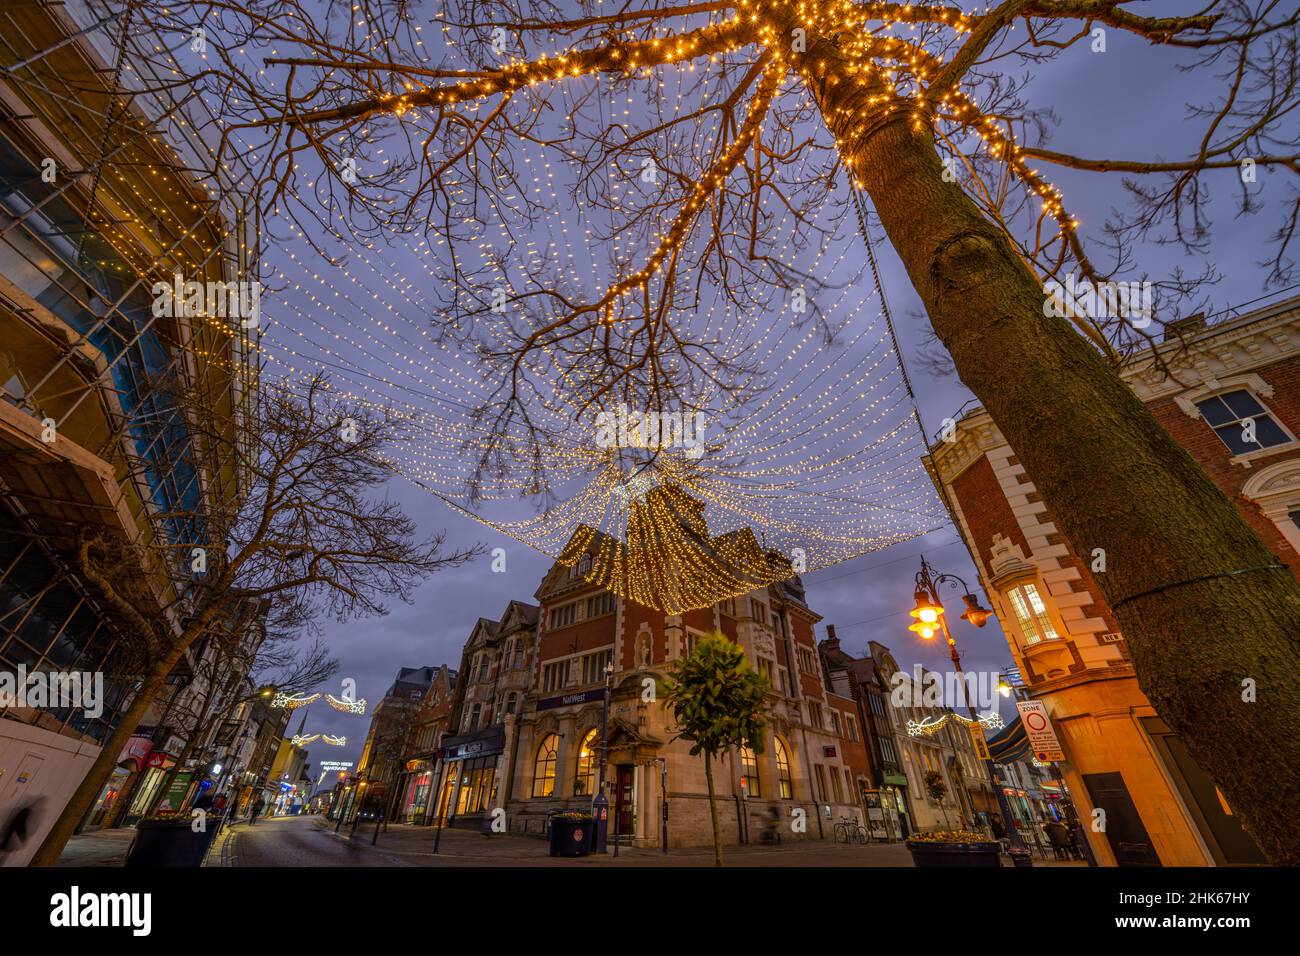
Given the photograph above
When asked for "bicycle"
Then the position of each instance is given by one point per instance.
(848, 830)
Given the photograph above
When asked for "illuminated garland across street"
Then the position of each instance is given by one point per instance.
(932, 725)
(293, 701)
(302, 740)
(345, 705)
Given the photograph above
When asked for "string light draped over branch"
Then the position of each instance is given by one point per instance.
(603, 265)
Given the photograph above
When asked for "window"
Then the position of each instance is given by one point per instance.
(519, 655)
(544, 767)
(584, 780)
(584, 565)
(564, 616)
(806, 660)
(512, 702)
(484, 665)
(1035, 623)
(600, 604)
(749, 772)
(692, 640)
(835, 786)
(835, 722)
(1241, 422)
(783, 779)
(765, 669)
(728, 607)
(815, 718)
(555, 676)
(851, 724)
(848, 785)
(821, 781)
(474, 713)
(888, 752)
(593, 666)
(758, 610)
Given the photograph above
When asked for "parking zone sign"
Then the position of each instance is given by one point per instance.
(1038, 728)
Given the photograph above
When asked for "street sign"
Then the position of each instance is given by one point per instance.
(1038, 728)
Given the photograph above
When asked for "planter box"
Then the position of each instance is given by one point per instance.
(954, 854)
(571, 837)
(170, 843)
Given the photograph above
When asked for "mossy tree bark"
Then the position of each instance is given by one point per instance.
(1204, 606)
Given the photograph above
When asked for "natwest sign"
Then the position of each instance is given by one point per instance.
(549, 703)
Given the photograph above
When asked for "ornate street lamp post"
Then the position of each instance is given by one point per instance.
(930, 620)
(600, 803)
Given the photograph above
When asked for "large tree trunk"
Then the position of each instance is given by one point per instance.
(84, 796)
(1201, 601)
(713, 811)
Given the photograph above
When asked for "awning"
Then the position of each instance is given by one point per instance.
(1010, 744)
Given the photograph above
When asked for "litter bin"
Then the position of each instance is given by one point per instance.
(171, 842)
(570, 836)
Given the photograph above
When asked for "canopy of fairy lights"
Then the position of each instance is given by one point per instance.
(803, 450)
(810, 456)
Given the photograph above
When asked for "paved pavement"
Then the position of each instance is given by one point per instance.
(311, 841)
(98, 848)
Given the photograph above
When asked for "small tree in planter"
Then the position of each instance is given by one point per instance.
(938, 791)
(717, 702)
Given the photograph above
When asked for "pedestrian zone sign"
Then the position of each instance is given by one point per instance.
(1038, 728)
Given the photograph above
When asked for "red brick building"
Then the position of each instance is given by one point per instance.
(540, 752)
(1235, 405)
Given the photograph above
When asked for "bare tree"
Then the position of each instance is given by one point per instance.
(232, 670)
(918, 105)
(307, 534)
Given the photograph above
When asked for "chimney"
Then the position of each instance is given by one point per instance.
(1180, 327)
(831, 641)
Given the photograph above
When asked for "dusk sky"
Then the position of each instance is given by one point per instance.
(1125, 103)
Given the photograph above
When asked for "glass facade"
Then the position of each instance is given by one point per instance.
(47, 623)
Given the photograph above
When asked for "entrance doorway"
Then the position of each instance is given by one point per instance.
(625, 799)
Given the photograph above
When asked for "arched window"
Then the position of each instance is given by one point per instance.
(749, 772)
(584, 780)
(512, 702)
(544, 767)
(785, 782)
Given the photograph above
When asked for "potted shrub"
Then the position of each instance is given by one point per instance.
(571, 833)
(953, 848)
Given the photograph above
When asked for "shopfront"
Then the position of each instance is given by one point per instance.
(419, 785)
(470, 762)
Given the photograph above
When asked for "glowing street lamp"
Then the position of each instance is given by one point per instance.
(930, 621)
(927, 614)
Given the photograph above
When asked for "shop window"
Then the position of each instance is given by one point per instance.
(544, 767)
(1031, 613)
(1241, 422)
